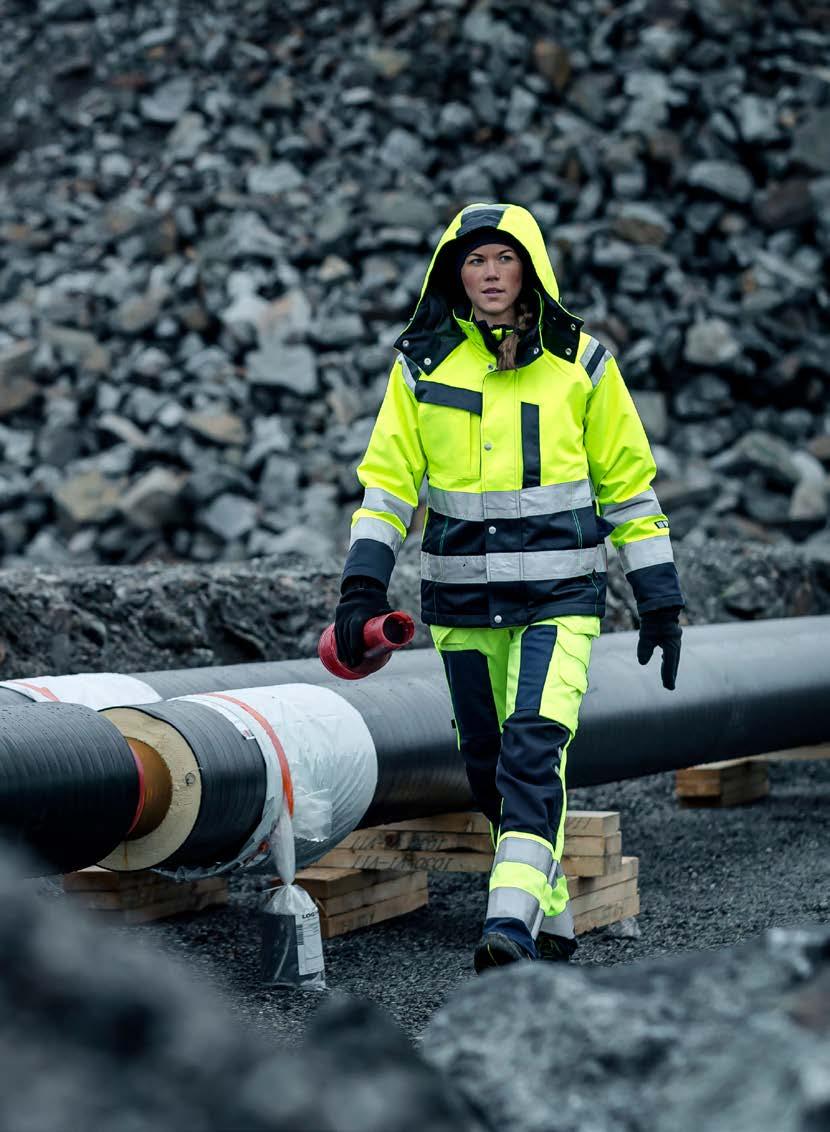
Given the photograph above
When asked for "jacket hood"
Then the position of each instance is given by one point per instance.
(433, 331)
(511, 218)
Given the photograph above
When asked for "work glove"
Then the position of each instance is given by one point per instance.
(660, 627)
(361, 600)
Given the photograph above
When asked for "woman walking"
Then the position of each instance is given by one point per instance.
(533, 452)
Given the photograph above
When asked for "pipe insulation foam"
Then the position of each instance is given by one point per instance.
(239, 762)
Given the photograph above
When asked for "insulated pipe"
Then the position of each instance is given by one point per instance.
(105, 689)
(743, 689)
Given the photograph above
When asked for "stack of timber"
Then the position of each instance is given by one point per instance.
(602, 883)
(735, 782)
(139, 897)
(349, 899)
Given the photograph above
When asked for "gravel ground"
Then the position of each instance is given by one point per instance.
(708, 878)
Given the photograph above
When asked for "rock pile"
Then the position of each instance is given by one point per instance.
(736, 1039)
(132, 619)
(101, 1032)
(215, 220)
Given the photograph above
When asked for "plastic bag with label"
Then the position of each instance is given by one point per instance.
(292, 947)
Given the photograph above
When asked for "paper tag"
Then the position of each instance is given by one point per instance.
(309, 943)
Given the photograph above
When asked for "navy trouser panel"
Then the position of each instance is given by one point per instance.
(528, 778)
(477, 722)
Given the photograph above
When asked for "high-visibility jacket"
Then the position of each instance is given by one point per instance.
(527, 469)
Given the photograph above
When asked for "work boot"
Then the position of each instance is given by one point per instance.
(554, 948)
(497, 950)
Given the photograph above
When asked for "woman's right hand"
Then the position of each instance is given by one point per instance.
(361, 600)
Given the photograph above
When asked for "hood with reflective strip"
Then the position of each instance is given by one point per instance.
(434, 332)
(511, 218)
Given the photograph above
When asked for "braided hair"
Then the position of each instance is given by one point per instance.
(509, 345)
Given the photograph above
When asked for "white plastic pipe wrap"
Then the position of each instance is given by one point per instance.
(321, 771)
(96, 690)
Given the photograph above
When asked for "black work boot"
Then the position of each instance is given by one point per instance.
(555, 948)
(497, 950)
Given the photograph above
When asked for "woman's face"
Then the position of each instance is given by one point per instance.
(492, 277)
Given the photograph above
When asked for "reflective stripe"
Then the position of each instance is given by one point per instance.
(561, 925)
(637, 507)
(516, 904)
(406, 369)
(478, 506)
(480, 216)
(646, 552)
(524, 851)
(376, 499)
(452, 396)
(527, 566)
(595, 358)
(379, 530)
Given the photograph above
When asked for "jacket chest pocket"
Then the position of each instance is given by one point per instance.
(449, 419)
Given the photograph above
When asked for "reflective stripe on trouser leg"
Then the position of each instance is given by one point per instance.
(520, 881)
(560, 923)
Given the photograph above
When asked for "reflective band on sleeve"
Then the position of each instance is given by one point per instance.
(595, 358)
(451, 396)
(529, 501)
(409, 371)
(515, 904)
(379, 530)
(529, 566)
(377, 499)
(646, 552)
(638, 507)
(524, 851)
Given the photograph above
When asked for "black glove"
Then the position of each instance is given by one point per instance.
(661, 627)
(361, 600)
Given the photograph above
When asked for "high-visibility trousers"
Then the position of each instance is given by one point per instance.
(516, 694)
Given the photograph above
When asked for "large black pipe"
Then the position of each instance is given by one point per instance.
(742, 690)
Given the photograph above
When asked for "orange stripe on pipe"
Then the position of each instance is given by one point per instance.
(287, 785)
(37, 688)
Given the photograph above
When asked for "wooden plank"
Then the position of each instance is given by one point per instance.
(164, 909)
(605, 896)
(321, 881)
(593, 846)
(608, 914)
(150, 895)
(795, 754)
(743, 797)
(577, 823)
(443, 823)
(591, 866)
(400, 885)
(407, 860)
(579, 886)
(731, 783)
(331, 926)
(601, 823)
(422, 841)
(95, 879)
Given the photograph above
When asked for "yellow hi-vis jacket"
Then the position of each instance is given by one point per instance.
(527, 469)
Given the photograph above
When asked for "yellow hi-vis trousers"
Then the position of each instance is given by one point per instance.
(516, 694)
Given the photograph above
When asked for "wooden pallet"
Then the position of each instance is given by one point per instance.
(460, 843)
(603, 884)
(349, 899)
(736, 782)
(142, 896)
